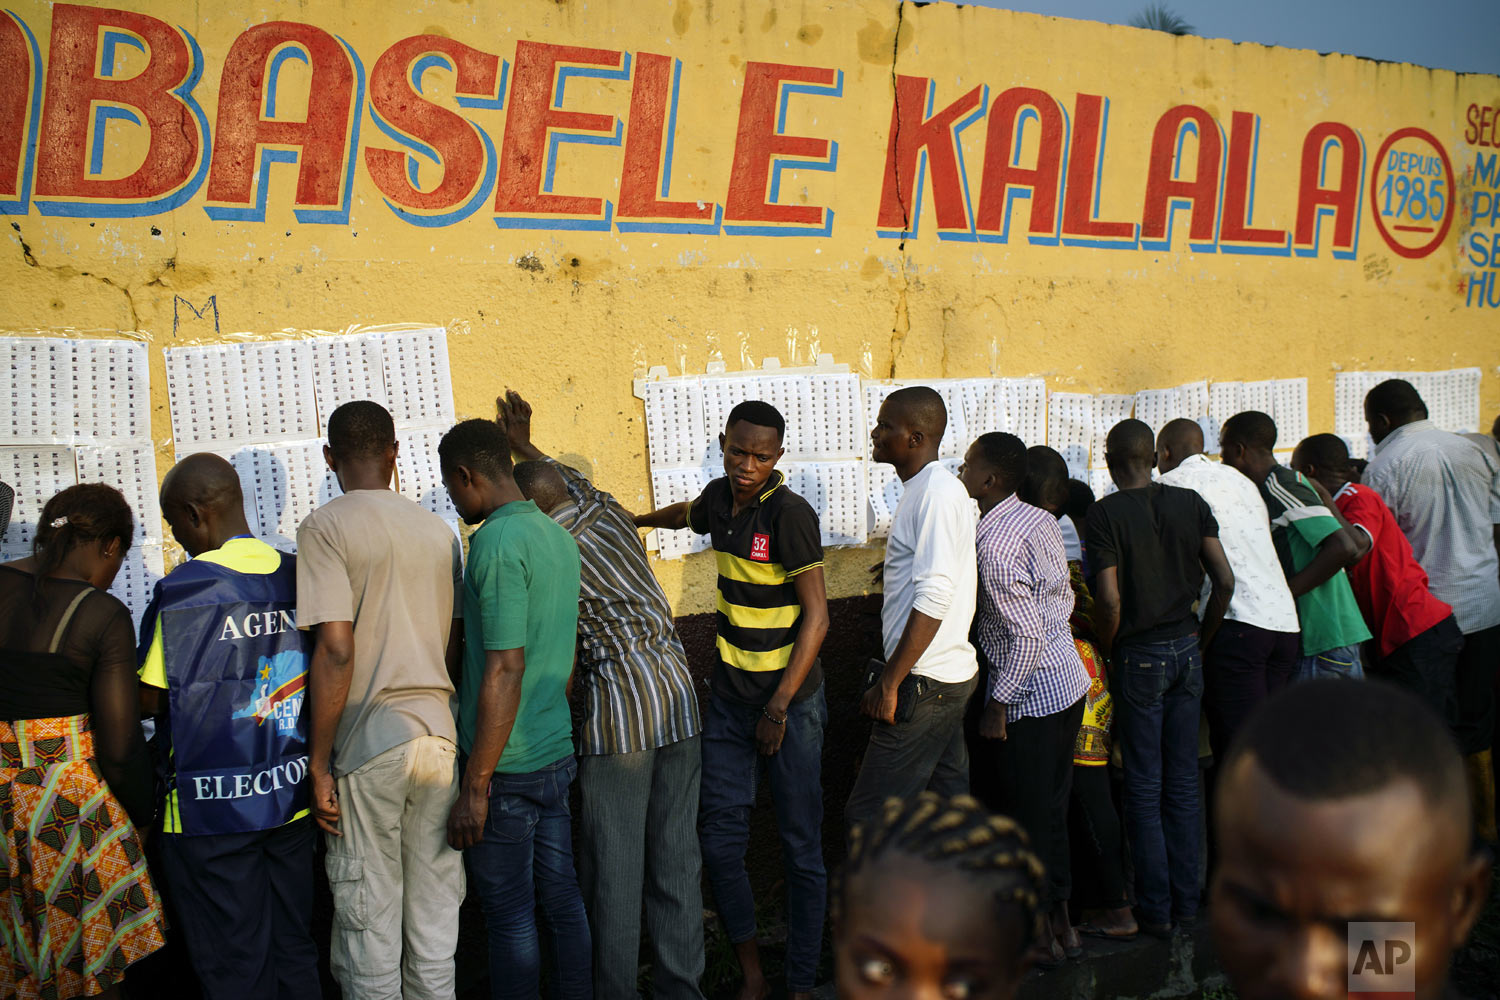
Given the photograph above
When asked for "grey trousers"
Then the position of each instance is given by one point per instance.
(639, 841)
(927, 753)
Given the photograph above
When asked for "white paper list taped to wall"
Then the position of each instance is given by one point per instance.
(81, 412)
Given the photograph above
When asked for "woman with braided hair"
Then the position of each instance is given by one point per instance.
(76, 903)
(937, 896)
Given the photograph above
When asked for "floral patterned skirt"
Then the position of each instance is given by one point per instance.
(76, 903)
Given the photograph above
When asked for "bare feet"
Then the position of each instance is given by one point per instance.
(757, 989)
(755, 986)
(1066, 933)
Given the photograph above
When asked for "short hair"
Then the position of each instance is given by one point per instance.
(1180, 434)
(759, 413)
(956, 833)
(1251, 428)
(1006, 454)
(361, 429)
(1046, 483)
(1326, 451)
(538, 479)
(478, 445)
(88, 512)
(1396, 397)
(922, 409)
(1130, 440)
(1080, 499)
(1329, 739)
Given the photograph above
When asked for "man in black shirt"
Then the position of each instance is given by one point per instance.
(1149, 546)
(766, 707)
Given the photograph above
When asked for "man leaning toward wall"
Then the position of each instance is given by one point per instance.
(639, 755)
(224, 672)
(1445, 493)
(378, 578)
(765, 707)
(931, 587)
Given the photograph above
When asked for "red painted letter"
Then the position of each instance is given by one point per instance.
(645, 134)
(1083, 169)
(73, 91)
(910, 134)
(1202, 191)
(758, 141)
(1002, 145)
(532, 116)
(323, 138)
(394, 98)
(19, 68)
(1234, 227)
(1313, 197)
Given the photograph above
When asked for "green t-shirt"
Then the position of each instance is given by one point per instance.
(521, 590)
(1329, 614)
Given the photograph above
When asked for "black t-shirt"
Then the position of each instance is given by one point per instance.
(759, 554)
(1153, 535)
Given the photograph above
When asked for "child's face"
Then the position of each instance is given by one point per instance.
(912, 929)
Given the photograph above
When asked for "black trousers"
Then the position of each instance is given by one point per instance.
(244, 905)
(1475, 683)
(1097, 843)
(1031, 777)
(1427, 666)
(1245, 665)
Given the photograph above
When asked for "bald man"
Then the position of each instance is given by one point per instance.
(1256, 650)
(1151, 545)
(1346, 863)
(224, 671)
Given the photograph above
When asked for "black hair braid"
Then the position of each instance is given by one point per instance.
(951, 833)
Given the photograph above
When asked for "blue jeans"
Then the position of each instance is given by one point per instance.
(526, 859)
(731, 768)
(1157, 688)
(1343, 662)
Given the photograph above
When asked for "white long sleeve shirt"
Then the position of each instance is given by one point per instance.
(930, 567)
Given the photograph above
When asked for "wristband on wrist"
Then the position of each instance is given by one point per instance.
(780, 722)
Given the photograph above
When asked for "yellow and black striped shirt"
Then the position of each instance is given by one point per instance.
(759, 553)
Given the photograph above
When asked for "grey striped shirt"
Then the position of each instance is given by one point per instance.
(631, 666)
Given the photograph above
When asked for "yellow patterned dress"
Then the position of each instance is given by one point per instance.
(1093, 745)
(76, 903)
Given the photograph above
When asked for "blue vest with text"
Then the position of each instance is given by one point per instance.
(236, 668)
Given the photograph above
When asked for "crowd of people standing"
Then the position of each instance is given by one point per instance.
(413, 704)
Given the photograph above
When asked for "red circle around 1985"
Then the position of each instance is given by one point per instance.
(1442, 232)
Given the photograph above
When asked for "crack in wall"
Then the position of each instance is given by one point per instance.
(65, 272)
(901, 322)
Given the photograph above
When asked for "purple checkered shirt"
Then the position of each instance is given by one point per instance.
(1025, 600)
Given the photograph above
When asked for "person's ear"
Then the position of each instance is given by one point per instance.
(1470, 894)
(721, 441)
(328, 458)
(395, 450)
(915, 438)
(194, 515)
(779, 453)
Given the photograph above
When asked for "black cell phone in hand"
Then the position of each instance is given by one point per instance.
(907, 692)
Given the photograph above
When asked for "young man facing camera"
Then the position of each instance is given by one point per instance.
(766, 706)
(1342, 804)
(520, 623)
(931, 587)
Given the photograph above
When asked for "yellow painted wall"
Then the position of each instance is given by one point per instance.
(568, 317)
